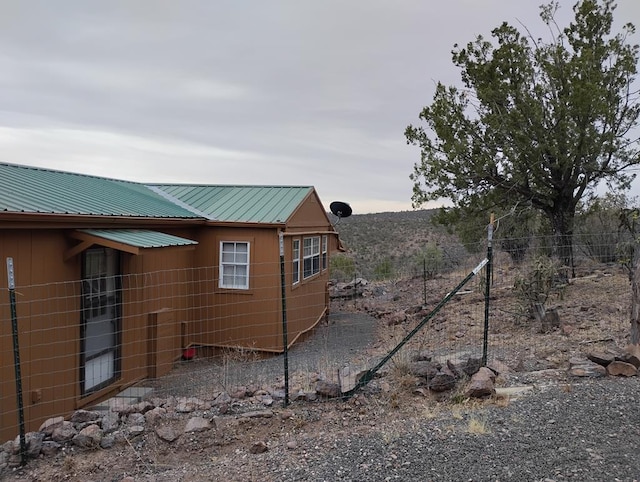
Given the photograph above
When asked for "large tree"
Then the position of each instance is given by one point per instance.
(537, 122)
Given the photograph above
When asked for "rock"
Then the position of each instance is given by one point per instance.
(258, 414)
(629, 358)
(422, 355)
(396, 318)
(286, 414)
(34, 443)
(63, 433)
(601, 358)
(110, 422)
(49, 425)
(471, 366)
(50, 448)
(482, 384)
(328, 389)
(89, 437)
(167, 433)
(620, 368)
(136, 419)
(258, 448)
(223, 398)
(349, 378)
(197, 424)
(292, 445)
(84, 416)
(499, 368)
(188, 405)
(107, 442)
(135, 430)
(587, 369)
(143, 407)
(443, 380)
(424, 368)
(153, 416)
(278, 394)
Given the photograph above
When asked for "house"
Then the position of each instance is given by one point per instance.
(114, 279)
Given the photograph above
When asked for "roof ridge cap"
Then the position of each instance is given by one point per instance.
(178, 202)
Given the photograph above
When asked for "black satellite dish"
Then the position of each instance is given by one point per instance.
(340, 209)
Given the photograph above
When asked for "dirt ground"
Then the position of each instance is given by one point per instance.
(594, 314)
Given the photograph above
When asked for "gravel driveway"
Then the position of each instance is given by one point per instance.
(588, 433)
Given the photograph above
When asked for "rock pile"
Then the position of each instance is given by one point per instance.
(104, 429)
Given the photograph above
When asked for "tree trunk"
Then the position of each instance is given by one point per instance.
(635, 304)
(562, 222)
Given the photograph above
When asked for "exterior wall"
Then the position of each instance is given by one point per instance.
(48, 306)
(49, 330)
(157, 280)
(238, 317)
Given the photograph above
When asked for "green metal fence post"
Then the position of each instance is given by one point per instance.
(285, 336)
(16, 359)
(487, 290)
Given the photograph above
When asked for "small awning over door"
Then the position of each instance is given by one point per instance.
(127, 240)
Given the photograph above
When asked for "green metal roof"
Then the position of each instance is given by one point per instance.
(36, 190)
(26, 189)
(140, 238)
(240, 204)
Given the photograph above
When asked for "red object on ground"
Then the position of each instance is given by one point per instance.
(189, 353)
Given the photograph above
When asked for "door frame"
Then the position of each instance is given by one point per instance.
(101, 290)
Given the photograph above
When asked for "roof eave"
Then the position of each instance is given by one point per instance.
(55, 220)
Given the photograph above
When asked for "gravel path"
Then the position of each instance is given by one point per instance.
(588, 433)
(342, 341)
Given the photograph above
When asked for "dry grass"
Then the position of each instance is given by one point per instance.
(478, 426)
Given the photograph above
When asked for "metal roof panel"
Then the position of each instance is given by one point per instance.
(241, 204)
(140, 238)
(37, 190)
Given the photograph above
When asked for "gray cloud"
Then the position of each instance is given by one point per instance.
(282, 92)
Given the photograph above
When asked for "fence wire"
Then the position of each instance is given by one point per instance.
(584, 311)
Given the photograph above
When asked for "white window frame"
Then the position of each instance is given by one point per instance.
(310, 256)
(324, 252)
(295, 248)
(232, 265)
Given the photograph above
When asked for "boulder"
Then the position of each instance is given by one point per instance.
(482, 384)
(197, 424)
(427, 369)
(622, 369)
(49, 425)
(89, 437)
(167, 433)
(601, 358)
(84, 416)
(587, 369)
(64, 432)
(443, 380)
(328, 389)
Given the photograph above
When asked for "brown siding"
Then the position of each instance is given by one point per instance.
(47, 307)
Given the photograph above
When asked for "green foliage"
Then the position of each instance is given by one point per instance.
(384, 269)
(342, 267)
(541, 123)
(534, 287)
(430, 260)
(605, 229)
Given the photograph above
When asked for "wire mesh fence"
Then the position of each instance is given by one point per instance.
(86, 340)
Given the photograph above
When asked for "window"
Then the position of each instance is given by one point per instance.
(296, 261)
(234, 265)
(324, 252)
(311, 256)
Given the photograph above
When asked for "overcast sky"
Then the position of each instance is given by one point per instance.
(280, 92)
